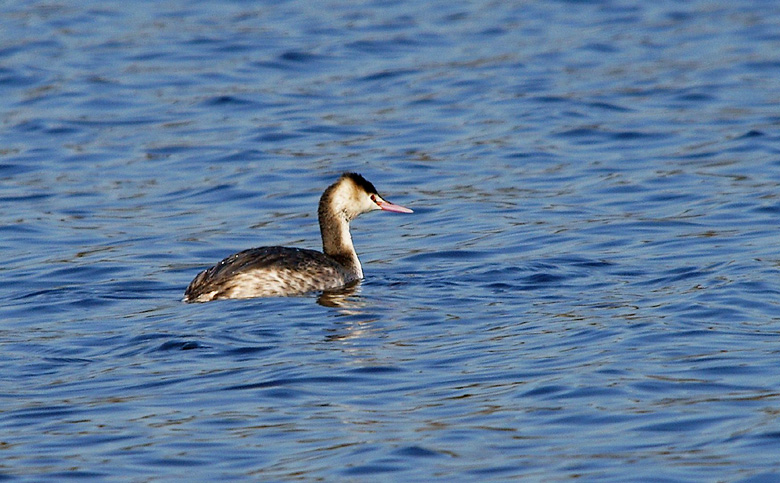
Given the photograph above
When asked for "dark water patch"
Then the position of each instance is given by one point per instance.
(217, 194)
(12, 169)
(204, 41)
(536, 156)
(25, 198)
(707, 154)
(388, 75)
(599, 135)
(552, 99)
(248, 350)
(171, 150)
(21, 229)
(197, 192)
(376, 370)
(135, 289)
(544, 392)
(176, 462)
(637, 135)
(151, 336)
(234, 47)
(498, 469)
(601, 48)
(763, 66)
(183, 345)
(501, 286)
(537, 280)
(62, 131)
(599, 420)
(608, 106)
(372, 469)
(383, 47)
(93, 272)
(334, 130)
(227, 101)
(417, 452)
(293, 60)
(768, 209)
(769, 435)
(127, 120)
(682, 423)
(294, 381)
(60, 295)
(753, 133)
(695, 97)
(676, 275)
(729, 369)
(107, 103)
(78, 474)
(20, 79)
(447, 255)
(66, 360)
(277, 137)
(244, 155)
(761, 477)
(298, 56)
(36, 414)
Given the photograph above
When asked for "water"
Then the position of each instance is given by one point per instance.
(588, 287)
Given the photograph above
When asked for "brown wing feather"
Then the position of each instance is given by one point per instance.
(267, 271)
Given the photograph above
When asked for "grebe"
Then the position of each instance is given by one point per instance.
(283, 271)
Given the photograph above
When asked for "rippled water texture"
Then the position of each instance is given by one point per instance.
(588, 288)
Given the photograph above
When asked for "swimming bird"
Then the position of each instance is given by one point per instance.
(284, 271)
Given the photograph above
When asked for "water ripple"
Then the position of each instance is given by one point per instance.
(587, 288)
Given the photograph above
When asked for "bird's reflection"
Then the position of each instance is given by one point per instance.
(353, 322)
(343, 299)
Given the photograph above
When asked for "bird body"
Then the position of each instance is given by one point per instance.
(284, 271)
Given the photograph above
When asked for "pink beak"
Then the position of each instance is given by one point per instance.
(387, 206)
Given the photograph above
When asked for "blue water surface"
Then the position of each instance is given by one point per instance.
(589, 287)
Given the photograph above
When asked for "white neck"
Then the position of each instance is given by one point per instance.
(336, 239)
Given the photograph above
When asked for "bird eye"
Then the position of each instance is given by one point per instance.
(373, 198)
